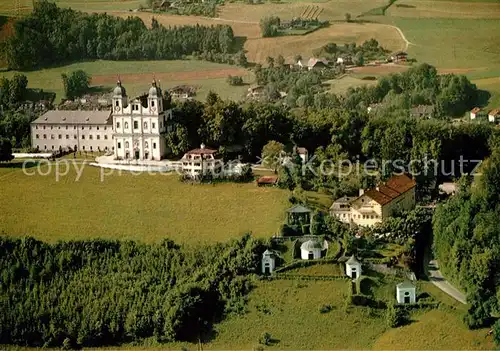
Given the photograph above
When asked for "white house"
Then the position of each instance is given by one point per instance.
(474, 112)
(406, 292)
(268, 262)
(494, 115)
(201, 161)
(311, 250)
(303, 153)
(353, 268)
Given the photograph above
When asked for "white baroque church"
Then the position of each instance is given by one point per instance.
(140, 125)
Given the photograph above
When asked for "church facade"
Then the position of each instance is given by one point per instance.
(131, 130)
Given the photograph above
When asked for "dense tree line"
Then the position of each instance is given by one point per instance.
(51, 35)
(98, 292)
(269, 26)
(369, 50)
(467, 240)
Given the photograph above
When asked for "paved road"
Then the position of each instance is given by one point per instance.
(438, 280)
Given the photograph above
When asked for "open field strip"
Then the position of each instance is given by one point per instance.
(137, 75)
(444, 9)
(146, 207)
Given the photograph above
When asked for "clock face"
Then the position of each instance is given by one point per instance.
(117, 108)
(152, 109)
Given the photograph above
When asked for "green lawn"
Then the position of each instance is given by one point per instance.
(136, 76)
(134, 207)
(340, 86)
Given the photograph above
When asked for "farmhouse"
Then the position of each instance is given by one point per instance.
(255, 91)
(398, 56)
(375, 205)
(475, 112)
(134, 130)
(313, 63)
(267, 181)
(201, 161)
(494, 115)
(182, 92)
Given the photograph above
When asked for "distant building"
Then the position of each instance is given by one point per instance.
(255, 91)
(474, 112)
(201, 161)
(313, 63)
(267, 180)
(345, 60)
(373, 107)
(494, 115)
(398, 56)
(303, 154)
(182, 92)
(375, 205)
(422, 111)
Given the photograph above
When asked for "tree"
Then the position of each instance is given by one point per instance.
(347, 17)
(17, 88)
(5, 150)
(269, 26)
(76, 84)
(242, 59)
(272, 155)
(358, 59)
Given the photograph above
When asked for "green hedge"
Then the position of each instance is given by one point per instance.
(309, 277)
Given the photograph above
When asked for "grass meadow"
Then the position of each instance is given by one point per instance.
(145, 207)
(136, 76)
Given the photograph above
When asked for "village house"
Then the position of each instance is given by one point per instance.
(494, 115)
(422, 111)
(398, 56)
(375, 205)
(313, 63)
(201, 161)
(255, 91)
(182, 92)
(474, 113)
(267, 181)
(345, 60)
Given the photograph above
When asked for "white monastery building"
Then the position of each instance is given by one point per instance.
(132, 130)
(375, 205)
(268, 262)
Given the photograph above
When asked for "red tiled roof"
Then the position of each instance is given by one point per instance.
(267, 180)
(391, 189)
(494, 112)
(378, 196)
(475, 110)
(401, 183)
(200, 151)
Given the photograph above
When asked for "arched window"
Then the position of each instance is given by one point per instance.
(126, 125)
(145, 125)
(146, 145)
(126, 144)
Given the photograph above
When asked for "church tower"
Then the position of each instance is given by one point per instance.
(155, 100)
(119, 98)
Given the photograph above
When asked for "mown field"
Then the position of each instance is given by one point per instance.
(136, 76)
(146, 207)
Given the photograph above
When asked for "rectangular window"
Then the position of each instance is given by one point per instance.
(117, 103)
(154, 145)
(45, 136)
(117, 124)
(43, 127)
(59, 136)
(36, 136)
(67, 136)
(90, 137)
(97, 128)
(74, 127)
(66, 127)
(105, 137)
(152, 103)
(119, 145)
(98, 137)
(75, 137)
(36, 127)
(136, 124)
(83, 137)
(90, 128)
(52, 136)
(104, 128)
(153, 125)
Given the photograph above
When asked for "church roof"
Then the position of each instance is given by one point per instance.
(119, 90)
(352, 261)
(311, 245)
(298, 209)
(268, 253)
(405, 285)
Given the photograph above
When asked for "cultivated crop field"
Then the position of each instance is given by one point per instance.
(134, 207)
(137, 76)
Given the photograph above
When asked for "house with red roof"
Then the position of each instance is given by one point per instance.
(374, 205)
(494, 115)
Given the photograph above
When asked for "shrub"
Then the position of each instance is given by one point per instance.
(396, 317)
(325, 309)
(265, 339)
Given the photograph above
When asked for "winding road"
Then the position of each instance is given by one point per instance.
(440, 281)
